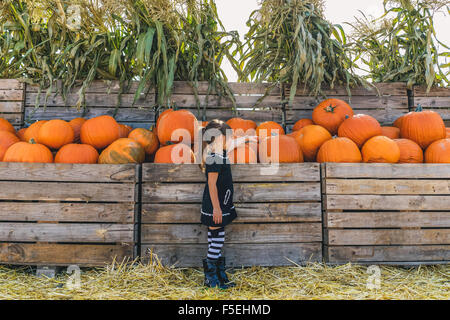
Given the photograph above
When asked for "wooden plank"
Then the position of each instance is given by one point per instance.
(10, 107)
(434, 92)
(244, 101)
(387, 171)
(241, 173)
(360, 104)
(14, 118)
(244, 192)
(433, 102)
(383, 254)
(11, 84)
(247, 212)
(59, 191)
(238, 255)
(388, 237)
(387, 203)
(183, 87)
(384, 89)
(11, 95)
(68, 172)
(97, 86)
(236, 233)
(63, 254)
(67, 212)
(390, 187)
(381, 219)
(66, 232)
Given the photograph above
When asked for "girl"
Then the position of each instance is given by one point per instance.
(217, 207)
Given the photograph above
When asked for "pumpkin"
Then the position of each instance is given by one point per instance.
(398, 122)
(55, 134)
(99, 132)
(175, 153)
(447, 130)
(244, 154)
(28, 152)
(155, 129)
(288, 150)
(7, 139)
(341, 150)
(147, 139)
(423, 127)
(124, 130)
(77, 153)
(5, 125)
(410, 152)
(242, 127)
(381, 149)
(122, 151)
(21, 134)
(300, 124)
(359, 128)
(438, 152)
(181, 123)
(331, 113)
(269, 128)
(204, 124)
(390, 132)
(310, 139)
(76, 125)
(32, 131)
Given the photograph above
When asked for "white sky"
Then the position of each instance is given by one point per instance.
(235, 13)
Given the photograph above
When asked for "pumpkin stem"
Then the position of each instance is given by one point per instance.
(419, 108)
(330, 108)
(32, 141)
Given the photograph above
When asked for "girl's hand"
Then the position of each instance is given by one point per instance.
(217, 215)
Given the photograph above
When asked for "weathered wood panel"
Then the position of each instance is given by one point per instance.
(237, 255)
(11, 101)
(11, 84)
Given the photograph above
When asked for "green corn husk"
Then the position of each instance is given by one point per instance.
(401, 45)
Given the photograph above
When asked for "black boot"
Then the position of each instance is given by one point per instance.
(211, 278)
(222, 275)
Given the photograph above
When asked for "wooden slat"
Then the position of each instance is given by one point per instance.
(359, 103)
(247, 212)
(384, 89)
(98, 86)
(248, 192)
(434, 92)
(433, 102)
(67, 212)
(189, 101)
(182, 87)
(11, 95)
(238, 255)
(388, 237)
(236, 233)
(388, 171)
(10, 84)
(67, 172)
(59, 191)
(384, 254)
(390, 187)
(11, 107)
(66, 232)
(382, 219)
(241, 173)
(384, 202)
(15, 119)
(63, 254)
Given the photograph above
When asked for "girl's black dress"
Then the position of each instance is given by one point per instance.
(219, 163)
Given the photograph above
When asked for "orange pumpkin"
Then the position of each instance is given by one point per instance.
(147, 139)
(398, 122)
(7, 139)
(6, 126)
(331, 113)
(76, 125)
(342, 150)
(242, 127)
(21, 134)
(204, 124)
(155, 129)
(300, 124)
(32, 131)
(181, 123)
(28, 152)
(423, 127)
(124, 130)
(359, 128)
(175, 153)
(55, 134)
(381, 149)
(410, 152)
(269, 128)
(122, 151)
(438, 152)
(244, 154)
(310, 139)
(447, 130)
(288, 150)
(99, 132)
(77, 153)
(390, 132)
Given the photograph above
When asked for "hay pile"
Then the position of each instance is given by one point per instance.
(314, 281)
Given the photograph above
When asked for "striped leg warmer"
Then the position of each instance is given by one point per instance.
(216, 239)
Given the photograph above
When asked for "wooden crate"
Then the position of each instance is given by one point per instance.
(438, 99)
(11, 101)
(59, 214)
(391, 103)
(386, 214)
(279, 215)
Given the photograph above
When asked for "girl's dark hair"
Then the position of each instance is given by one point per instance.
(219, 125)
